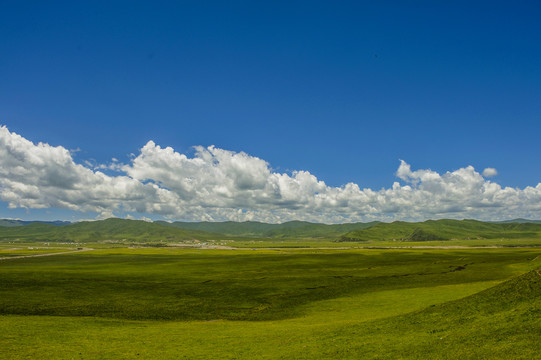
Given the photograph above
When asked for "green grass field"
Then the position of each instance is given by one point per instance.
(171, 303)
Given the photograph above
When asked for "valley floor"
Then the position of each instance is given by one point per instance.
(273, 304)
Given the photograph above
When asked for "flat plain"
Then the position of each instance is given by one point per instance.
(284, 303)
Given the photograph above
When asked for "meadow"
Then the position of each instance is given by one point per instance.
(116, 302)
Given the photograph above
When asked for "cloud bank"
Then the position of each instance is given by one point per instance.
(217, 184)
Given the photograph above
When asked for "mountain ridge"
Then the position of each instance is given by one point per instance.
(160, 231)
(444, 229)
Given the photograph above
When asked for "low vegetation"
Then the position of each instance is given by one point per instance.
(305, 304)
(130, 289)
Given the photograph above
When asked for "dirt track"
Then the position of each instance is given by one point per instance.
(46, 254)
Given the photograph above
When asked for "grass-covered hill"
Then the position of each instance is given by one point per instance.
(291, 229)
(444, 230)
(501, 322)
(110, 229)
(152, 232)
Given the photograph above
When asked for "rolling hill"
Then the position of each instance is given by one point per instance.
(501, 322)
(444, 230)
(291, 229)
(110, 229)
(160, 231)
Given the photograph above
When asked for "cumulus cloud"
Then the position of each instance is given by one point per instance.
(490, 172)
(217, 184)
(43, 176)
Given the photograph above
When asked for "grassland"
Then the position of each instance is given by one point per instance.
(443, 289)
(172, 303)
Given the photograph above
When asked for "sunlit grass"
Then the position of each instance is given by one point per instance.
(224, 304)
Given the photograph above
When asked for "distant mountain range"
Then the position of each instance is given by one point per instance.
(11, 222)
(291, 229)
(519, 220)
(161, 231)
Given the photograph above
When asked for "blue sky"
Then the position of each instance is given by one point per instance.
(342, 90)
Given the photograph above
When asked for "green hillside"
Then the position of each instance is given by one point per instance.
(232, 228)
(501, 322)
(291, 229)
(110, 229)
(444, 230)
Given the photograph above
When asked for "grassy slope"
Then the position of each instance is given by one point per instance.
(444, 230)
(501, 322)
(367, 322)
(298, 229)
(110, 229)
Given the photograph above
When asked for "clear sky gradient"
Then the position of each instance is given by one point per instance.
(342, 90)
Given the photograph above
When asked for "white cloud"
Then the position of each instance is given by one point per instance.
(106, 214)
(43, 176)
(217, 184)
(490, 172)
